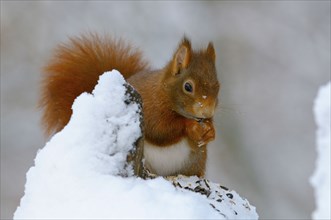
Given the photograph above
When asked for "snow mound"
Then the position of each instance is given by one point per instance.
(82, 172)
(321, 177)
(226, 202)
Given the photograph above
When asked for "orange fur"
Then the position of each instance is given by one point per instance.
(76, 67)
(170, 111)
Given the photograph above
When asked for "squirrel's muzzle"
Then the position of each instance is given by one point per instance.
(204, 108)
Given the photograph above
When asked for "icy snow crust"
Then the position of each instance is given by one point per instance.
(78, 173)
(321, 177)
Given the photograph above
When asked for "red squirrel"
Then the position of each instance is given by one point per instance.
(179, 100)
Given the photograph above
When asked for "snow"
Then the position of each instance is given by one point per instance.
(227, 202)
(81, 172)
(321, 177)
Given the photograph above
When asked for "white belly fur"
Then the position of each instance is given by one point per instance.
(166, 160)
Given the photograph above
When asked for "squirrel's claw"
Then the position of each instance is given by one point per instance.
(200, 132)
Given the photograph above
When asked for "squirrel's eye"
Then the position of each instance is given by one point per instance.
(188, 87)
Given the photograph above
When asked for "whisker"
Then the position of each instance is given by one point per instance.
(228, 110)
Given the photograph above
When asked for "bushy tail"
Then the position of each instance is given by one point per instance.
(75, 68)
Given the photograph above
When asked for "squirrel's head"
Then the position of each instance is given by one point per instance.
(191, 80)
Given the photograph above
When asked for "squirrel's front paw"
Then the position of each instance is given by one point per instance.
(200, 132)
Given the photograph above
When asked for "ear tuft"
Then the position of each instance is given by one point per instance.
(211, 51)
(182, 56)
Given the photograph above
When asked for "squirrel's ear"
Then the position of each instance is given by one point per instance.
(211, 51)
(182, 56)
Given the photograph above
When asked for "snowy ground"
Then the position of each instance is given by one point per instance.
(272, 56)
(321, 178)
(79, 173)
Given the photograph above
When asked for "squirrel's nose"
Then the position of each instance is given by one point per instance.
(208, 112)
(204, 109)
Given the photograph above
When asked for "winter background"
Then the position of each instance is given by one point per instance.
(272, 57)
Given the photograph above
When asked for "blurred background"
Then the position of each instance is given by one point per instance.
(271, 58)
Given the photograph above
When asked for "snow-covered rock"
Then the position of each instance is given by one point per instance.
(82, 171)
(226, 202)
(321, 177)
